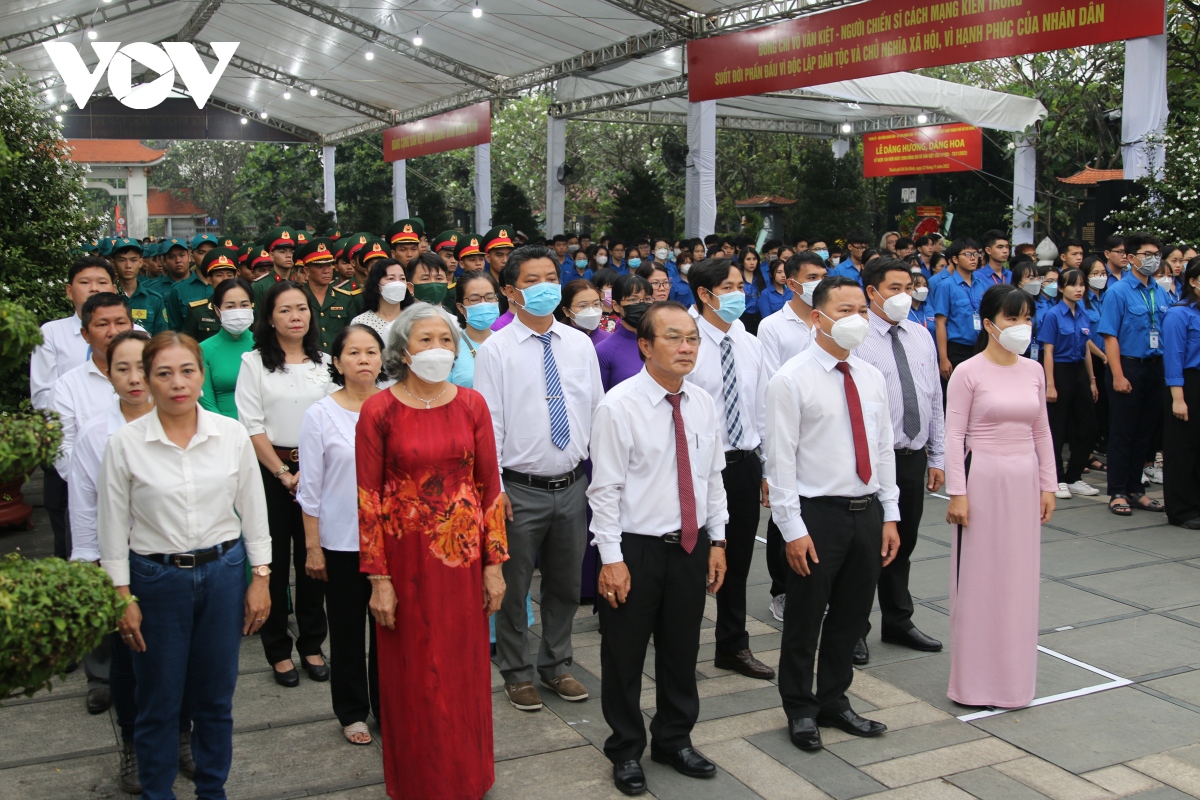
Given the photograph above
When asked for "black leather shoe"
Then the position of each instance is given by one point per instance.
(98, 700)
(629, 778)
(744, 662)
(318, 672)
(861, 654)
(187, 763)
(804, 733)
(851, 723)
(686, 762)
(1191, 524)
(912, 638)
(290, 678)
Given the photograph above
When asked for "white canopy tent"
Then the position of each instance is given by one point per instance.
(328, 70)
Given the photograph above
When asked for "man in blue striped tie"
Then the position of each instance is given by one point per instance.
(541, 381)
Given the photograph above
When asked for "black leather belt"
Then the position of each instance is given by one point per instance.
(553, 483)
(675, 537)
(194, 558)
(735, 456)
(844, 503)
(1149, 360)
(908, 451)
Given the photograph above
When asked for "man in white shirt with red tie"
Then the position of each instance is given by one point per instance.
(832, 476)
(658, 515)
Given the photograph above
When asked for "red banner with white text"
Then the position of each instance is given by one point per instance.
(956, 147)
(463, 127)
(883, 36)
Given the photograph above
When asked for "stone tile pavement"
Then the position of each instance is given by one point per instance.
(1121, 596)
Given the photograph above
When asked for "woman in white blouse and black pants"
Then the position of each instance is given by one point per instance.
(181, 509)
(328, 495)
(280, 378)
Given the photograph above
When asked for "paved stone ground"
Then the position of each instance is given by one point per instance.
(1122, 595)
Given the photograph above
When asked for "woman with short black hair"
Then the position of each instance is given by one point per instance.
(233, 303)
(381, 304)
(281, 377)
(618, 354)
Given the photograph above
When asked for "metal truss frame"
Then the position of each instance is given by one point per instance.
(119, 9)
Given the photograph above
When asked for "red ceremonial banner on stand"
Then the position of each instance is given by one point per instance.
(956, 147)
(463, 127)
(883, 36)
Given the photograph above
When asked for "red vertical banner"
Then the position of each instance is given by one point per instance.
(883, 36)
(463, 127)
(118, 221)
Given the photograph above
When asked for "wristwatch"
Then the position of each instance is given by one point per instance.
(718, 543)
(262, 571)
(282, 469)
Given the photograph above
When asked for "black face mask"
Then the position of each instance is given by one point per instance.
(633, 313)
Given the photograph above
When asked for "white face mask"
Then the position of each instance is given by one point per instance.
(916, 271)
(920, 293)
(432, 366)
(571, 248)
(1015, 338)
(675, 251)
(1098, 282)
(602, 260)
(850, 331)
(588, 319)
(1033, 288)
(1167, 284)
(807, 296)
(662, 254)
(394, 292)
(897, 306)
(237, 320)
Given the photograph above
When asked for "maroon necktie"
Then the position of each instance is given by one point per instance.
(683, 463)
(862, 455)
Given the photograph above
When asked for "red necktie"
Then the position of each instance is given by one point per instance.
(861, 454)
(683, 463)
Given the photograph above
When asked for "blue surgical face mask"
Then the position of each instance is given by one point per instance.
(481, 315)
(634, 262)
(1050, 289)
(733, 305)
(581, 263)
(542, 298)
(824, 254)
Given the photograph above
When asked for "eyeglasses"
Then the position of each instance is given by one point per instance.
(660, 284)
(969, 254)
(1120, 251)
(676, 341)
(1149, 253)
(476, 299)
(585, 306)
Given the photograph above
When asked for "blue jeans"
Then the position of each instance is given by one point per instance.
(123, 684)
(192, 623)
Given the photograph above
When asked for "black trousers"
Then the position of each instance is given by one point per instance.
(895, 601)
(848, 544)
(777, 566)
(54, 496)
(957, 353)
(1101, 443)
(666, 599)
(743, 488)
(1181, 454)
(1072, 419)
(354, 670)
(288, 550)
(1131, 423)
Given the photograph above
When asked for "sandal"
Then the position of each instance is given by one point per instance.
(1098, 465)
(357, 729)
(1121, 510)
(1149, 505)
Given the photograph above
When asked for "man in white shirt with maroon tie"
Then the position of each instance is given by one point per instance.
(658, 515)
(832, 476)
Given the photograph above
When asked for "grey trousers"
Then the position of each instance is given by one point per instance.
(550, 527)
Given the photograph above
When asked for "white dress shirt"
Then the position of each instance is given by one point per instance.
(511, 375)
(747, 356)
(82, 393)
(921, 352)
(86, 457)
(62, 349)
(783, 335)
(635, 474)
(812, 442)
(274, 403)
(328, 487)
(180, 499)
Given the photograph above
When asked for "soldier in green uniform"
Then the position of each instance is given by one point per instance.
(200, 244)
(259, 260)
(193, 287)
(332, 307)
(496, 246)
(151, 269)
(281, 244)
(404, 237)
(444, 244)
(173, 256)
(343, 270)
(219, 264)
(244, 270)
(469, 253)
(146, 307)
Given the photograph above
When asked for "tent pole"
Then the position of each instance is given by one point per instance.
(556, 193)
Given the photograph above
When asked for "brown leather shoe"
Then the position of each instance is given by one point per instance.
(744, 662)
(523, 696)
(566, 687)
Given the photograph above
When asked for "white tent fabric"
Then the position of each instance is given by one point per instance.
(700, 203)
(1024, 190)
(1144, 108)
(483, 187)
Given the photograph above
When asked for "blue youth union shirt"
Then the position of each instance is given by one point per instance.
(958, 303)
(1131, 311)
(1066, 331)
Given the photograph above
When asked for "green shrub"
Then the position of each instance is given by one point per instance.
(28, 439)
(19, 335)
(52, 612)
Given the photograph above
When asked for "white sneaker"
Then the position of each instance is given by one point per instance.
(777, 605)
(1084, 489)
(1063, 493)
(1152, 474)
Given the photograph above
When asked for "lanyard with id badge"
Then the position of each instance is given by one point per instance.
(976, 323)
(1153, 324)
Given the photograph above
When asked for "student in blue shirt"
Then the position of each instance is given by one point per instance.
(1116, 261)
(956, 306)
(992, 270)
(616, 258)
(577, 265)
(1131, 323)
(1048, 299)
(852, 267)
(773, 296)
(920, 312)
(1181, 426)
(749, 264)
(1097, 272)
(1070, 384)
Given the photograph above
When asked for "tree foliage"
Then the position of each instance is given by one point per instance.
(512, 208)
(209, 174)
(1167, 204)
(640, 207)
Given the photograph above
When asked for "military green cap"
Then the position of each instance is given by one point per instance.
(125, 244)
(279, 237)
(171, 244)
(219, 258)
(333, 234)
(446, 239)
(499, 236)
(372, 249)
(90, 247)
(405, 231)
(201, 238)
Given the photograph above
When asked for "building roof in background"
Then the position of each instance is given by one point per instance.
(1090, 176)
(113, 151)
(764, 200)
(164, 203)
